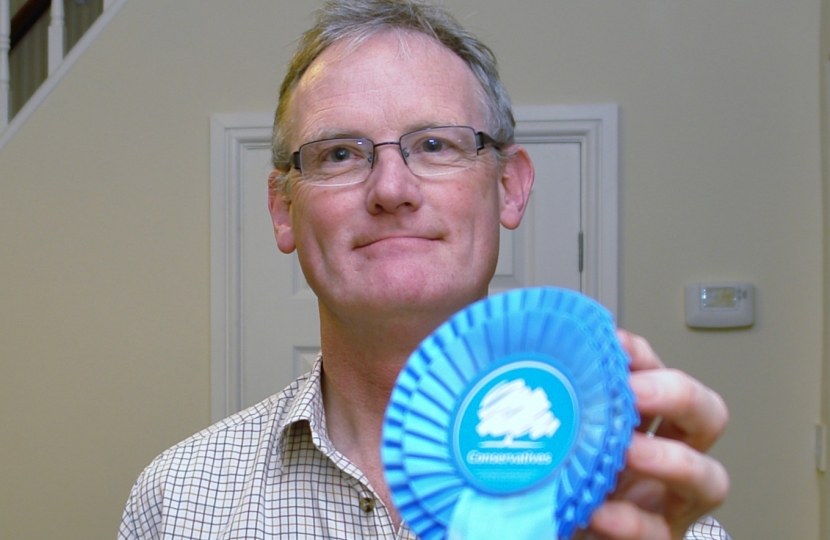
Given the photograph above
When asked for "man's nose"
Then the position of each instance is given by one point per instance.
(392, 186)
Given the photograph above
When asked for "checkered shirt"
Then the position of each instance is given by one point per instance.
(268, 472)
(707, 528)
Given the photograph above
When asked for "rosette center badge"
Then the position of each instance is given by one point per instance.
(515, 427)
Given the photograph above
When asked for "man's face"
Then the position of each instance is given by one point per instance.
(395, 243)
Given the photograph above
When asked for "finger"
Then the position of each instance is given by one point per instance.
(623, 520)
(640, 351)
(691, 411)
(648, 494)
(642, 357)
(695, 482)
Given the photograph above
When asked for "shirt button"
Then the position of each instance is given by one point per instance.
(367, 504)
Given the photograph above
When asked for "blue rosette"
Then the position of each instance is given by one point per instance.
(512, 418)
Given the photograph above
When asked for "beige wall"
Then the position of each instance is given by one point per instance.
(104, 229)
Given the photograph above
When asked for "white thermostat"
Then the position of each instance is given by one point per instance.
(720, 305)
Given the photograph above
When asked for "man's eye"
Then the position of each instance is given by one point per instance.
(338, 155)
(432, 145)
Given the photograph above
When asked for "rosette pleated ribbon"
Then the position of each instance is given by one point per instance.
(511, 420)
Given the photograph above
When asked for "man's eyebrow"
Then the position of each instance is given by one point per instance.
(323, 134)
(427, 125)
(337, 133)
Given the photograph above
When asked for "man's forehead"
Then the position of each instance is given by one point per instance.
(390, 70)
(390, 45)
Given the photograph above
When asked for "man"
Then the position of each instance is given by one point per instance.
(395, 166)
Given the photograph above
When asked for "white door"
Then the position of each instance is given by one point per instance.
(265, 330)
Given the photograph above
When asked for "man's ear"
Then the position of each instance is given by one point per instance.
(516, 182)
(279, 204)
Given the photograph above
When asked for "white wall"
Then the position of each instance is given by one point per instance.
(104, 285)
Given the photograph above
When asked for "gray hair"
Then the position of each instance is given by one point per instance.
(358, 20)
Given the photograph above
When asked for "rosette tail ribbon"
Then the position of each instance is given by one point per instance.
(524, 516)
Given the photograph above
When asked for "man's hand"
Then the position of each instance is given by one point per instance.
(668, 481)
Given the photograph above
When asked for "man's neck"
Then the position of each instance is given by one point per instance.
(361, 363)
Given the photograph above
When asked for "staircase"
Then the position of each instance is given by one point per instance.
(39, 41)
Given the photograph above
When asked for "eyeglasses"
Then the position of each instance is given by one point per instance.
(427, 152)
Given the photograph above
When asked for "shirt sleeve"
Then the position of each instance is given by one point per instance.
(142, 514)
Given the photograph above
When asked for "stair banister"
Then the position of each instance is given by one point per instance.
(57, 36)
(57, 68)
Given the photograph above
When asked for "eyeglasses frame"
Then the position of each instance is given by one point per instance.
(482, 141)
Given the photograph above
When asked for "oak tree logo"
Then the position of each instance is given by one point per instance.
(512, 410)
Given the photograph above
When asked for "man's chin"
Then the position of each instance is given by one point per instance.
(406, 298)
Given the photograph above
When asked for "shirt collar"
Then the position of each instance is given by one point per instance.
(307, 406)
